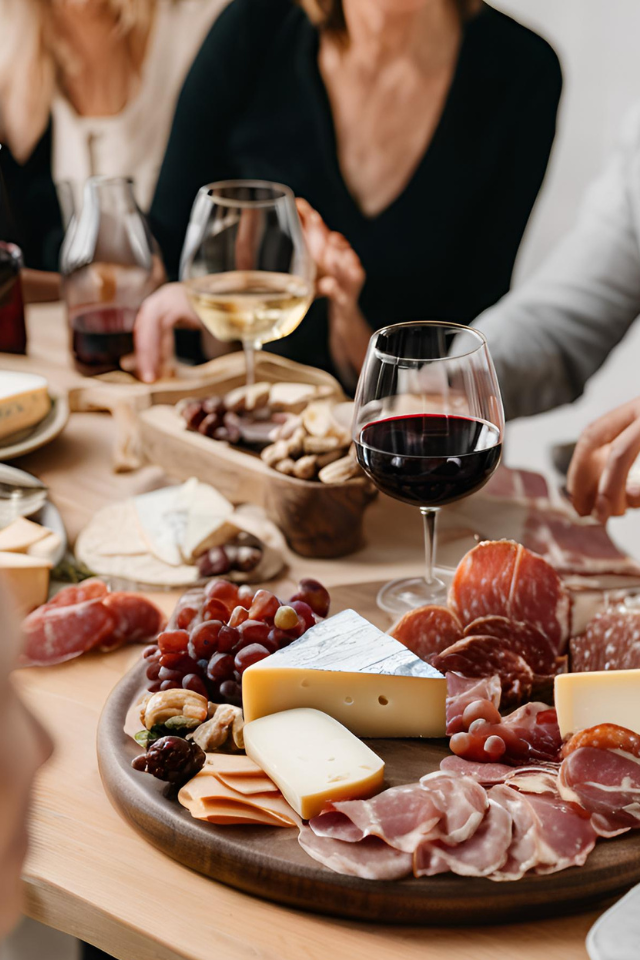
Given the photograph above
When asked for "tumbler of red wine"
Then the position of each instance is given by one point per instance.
(428, 429)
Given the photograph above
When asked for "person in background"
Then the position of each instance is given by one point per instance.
(24, 747)
(88, 87)
(417, 131)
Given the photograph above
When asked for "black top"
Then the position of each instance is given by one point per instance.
(254, 106)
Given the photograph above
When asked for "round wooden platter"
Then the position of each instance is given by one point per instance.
(269, 863)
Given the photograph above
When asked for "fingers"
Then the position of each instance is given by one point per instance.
(611, 498)
(153, 330)
(590, 456)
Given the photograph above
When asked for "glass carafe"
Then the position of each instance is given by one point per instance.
(109, 264)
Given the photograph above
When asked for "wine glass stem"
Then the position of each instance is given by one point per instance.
(429, 518)
(250, 360)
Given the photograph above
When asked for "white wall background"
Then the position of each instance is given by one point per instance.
(598, 42)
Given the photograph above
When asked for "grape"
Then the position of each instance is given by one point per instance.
(171, 759)
(228, 638)
(209, 425)
(243, 558)
(313, 593)
(193, 414)
(238, 615)
(173, 641)
(286, 618)
(191, 681)
(477, 726)
(279, 638)
(461, 744)
(151, 652)
(214, 562)
(223, 590)
(204, 639)
(494, 747)
(214, 404)
(480, 710)
(255, 631)
(166, 673)
(154, 687)
(305, 612)
(264, 606)
(215, 609)
(169, 685)
(231, 692)
(245, 596)
(249, 655)
(220, 667)
(181, 662)
(153, 671)
(202, 666)
(185, 617)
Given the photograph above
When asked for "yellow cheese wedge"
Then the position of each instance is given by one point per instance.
(26, 580)
(24, 401)
(604, 696)
(20, 535)
(313, 759)
(346, 667)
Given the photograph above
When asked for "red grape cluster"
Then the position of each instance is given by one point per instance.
(217, 632)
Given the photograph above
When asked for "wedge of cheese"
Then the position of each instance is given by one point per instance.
(20, 535)
(347, 668)
(313, 759)
(604, 696)
(26, 580)
(24, 401)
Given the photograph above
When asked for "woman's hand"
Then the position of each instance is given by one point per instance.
(340, 279)
(165, 309)
(606, 451)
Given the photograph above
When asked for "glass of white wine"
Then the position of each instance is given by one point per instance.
(245, 264)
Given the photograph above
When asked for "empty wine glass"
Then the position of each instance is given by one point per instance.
(428, 428)
(245, 263)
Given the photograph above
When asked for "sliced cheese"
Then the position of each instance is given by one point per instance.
(207, 798)
(313, 759)
(20, 535)
(48, 548)
(357, 674)
(604, 696)
(26, 579)
(24, 401)
(162, 517)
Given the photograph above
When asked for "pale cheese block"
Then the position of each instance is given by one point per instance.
(162, 518)
(357, 674)
(24, 401)
(604, 696)
(20, 535)
(209, 522)
(47, 548)
(26, 580)
(313, 759)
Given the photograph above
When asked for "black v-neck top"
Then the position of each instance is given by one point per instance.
(255, 106)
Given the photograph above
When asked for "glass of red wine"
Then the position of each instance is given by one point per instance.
(428, 428)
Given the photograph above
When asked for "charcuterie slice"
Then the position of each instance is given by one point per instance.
(610, 642)
(93, 589)
(428, 630)
(370, 859)
(463, 691)
(485, 656)
(523, 638)
(482, 582)
(55, 634)
(483, 853)
(539, 599)
(136, 619)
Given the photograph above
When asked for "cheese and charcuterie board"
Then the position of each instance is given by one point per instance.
(491, 804)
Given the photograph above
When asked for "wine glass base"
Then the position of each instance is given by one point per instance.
(399, 596)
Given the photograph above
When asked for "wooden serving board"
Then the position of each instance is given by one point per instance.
(269, 863)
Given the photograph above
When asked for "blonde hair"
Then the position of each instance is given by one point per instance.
(31, 59)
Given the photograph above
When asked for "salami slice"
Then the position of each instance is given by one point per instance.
(137, 620)
(61, 633)
(523, 638)
(428, 630)
(485, 656)
(610, 642)
(93, 589)
(481, 585)
(539, 599)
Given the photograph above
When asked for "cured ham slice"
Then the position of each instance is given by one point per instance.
(137, 620)
(523, 638)
(462, 803)
(490, 774)
(536, 723)
(610, 642)
(370, 859)
(462, 691)
(503, 579)
(522, 854)
(523, 486)
(575, 546)
(528, 735)
(58, 633)
(485, 657)
(479, 856)
(428, 630)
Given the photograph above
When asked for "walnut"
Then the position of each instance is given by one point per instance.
(213, 733)
(165, 704)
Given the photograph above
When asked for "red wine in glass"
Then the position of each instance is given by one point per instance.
(429, 460)
(13, 334)
(101, 336)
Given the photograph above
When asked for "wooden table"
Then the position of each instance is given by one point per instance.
(90, 874)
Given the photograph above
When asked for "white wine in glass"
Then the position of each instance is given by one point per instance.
(246, 267)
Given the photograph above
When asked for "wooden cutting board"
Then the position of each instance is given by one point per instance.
(269, 863)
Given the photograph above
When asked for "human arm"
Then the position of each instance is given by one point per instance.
(550, 335)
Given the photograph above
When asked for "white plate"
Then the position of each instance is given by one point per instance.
(616, 935)
(47, 516)
(44, 432)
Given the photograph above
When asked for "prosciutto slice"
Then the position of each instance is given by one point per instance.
(479, 856)
(370, 859)
(60, 633)
(607, 784)
(489, 774)
(461, 691)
